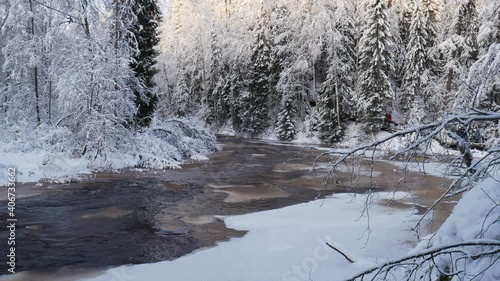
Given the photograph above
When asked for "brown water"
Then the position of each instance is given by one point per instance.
(144, 217)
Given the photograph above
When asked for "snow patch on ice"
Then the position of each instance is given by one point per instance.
(290, 244)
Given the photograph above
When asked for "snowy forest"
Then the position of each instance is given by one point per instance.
(144, 86)
(279, 68)
(77, 82)
(93, 74)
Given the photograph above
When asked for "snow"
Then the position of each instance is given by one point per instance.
(429, 168)
(474, 218)
(49, 153)
(290, 244)
(31, 168)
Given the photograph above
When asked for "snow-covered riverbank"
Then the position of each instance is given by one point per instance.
(290, 244)
(54, 154)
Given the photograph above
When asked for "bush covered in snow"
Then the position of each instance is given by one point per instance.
(56, 153)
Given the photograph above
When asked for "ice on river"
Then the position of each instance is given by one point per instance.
(290, 244)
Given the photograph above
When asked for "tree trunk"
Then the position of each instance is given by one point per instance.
(50, 101)
(449, 80)
(35, 70)
(337, 104)
(117, 35)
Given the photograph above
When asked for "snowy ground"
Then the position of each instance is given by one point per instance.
(290, 244)
(53, 154)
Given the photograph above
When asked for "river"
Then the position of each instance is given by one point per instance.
(148, 216)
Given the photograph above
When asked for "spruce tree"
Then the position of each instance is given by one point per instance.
(280, 32)
(146, 38)
(255, 116)
(431, 11)
(468, 27)
(182, 97)
(405, 22)
(342, 62)
(460, 50)
(236, 104)
(416, 62)
(336, 92)
(286, 125)
(213, 82)
(224, 89)
(218, 94)
(329, 124)
(490, 26)
(376, 67)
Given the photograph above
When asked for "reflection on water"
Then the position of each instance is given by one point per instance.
(143, 217)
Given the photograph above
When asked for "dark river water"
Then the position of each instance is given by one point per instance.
(143, 217)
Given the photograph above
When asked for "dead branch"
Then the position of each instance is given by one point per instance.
(340, 252)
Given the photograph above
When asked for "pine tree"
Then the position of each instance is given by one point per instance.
(343, 59)
(337, 91)
(255, 117)
(236, 104)
(467, 26)
(146, 38)
(490, 26)
(286, 125)
(405, 22)
(218, 94)
(279, 31)
(431, 11)
(415, 64)
(329, 123)
(182, 97)
(459, 51)
(376, 67)
(225, 100)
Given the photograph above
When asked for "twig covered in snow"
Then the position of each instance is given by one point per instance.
(467, 246)
(411, 264)
(426, 133)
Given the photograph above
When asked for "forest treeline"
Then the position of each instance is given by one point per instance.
(105, 69)
(280, 67)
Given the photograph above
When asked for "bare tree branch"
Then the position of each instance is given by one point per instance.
(433, 252)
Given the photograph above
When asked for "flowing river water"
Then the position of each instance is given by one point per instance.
(143, 217)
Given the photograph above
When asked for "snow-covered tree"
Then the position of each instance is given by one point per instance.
(376, 67)
(406, 19)
(415, 65)
(238, 94)
(96, 99)
(23, 60)
(145, 40)
(329, 124)
(489, 32)
(218, 85)
(337, 92)
(431, 11)
(255, 116)
(457, 52)
(286, 124)
(183, 98)
(281, 38)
